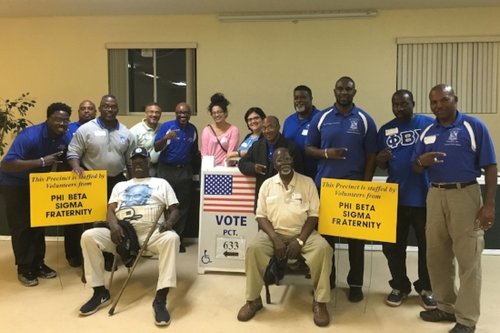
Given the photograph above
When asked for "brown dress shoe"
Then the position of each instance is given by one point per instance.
(321, 315)
(249, 310)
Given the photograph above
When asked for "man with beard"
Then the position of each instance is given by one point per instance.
(258, 161)
(296, 125)
(343, 138)
(154, 193)
(287, 213)
(37, 148)
(103, 143)
(177, 142)
(145, 133)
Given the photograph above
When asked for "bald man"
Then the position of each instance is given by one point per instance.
(258, 161)
(177, 142)
(454, 150)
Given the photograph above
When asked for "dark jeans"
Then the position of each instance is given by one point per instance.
(396, 253)
(356, 248)
(28, 243)
(181, 180)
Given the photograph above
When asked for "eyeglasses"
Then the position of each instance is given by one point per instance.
(253, 118)
(217, 113)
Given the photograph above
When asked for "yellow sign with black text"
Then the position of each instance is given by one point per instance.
(61, 198)
(358, 209)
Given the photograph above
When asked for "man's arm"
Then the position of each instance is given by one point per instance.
(116, 231)
(247, 164)
(325, 153)
(369, 166)
(23, 165)
(294, 248)
(171, 217)
(278, 244)
(486, 214)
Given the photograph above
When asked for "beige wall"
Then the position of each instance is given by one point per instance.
(253, 64)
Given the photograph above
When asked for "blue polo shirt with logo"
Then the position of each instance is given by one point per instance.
(179, 150)
(296, 130)
(30, 144)
(355, 131)
(467, 144)
(401, 137)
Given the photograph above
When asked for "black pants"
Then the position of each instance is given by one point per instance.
(396, 253)
(28, 243)
(356, 248)
(181, 180)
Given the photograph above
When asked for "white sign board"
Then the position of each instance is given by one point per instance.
(227, 219)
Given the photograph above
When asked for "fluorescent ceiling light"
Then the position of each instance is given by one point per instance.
(294, 16)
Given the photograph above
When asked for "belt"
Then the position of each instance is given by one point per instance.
(453, 186)
(178, 166)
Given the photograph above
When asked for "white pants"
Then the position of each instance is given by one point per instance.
(97, 240)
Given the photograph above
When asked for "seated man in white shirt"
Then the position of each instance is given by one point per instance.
(287, 213)
(135, 200)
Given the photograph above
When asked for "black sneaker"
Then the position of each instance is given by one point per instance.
(182, 248)
(27, 279)
(98, 300)
(436, 315)
(459, 328)
(45, 272)
(355, 294)
(395, 298)
(162, 317)
(428, 301)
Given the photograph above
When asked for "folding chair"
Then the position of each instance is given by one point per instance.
(155, 211)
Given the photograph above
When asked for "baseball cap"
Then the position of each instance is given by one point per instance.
(139, 151)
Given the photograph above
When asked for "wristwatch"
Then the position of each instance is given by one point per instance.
(300, 241)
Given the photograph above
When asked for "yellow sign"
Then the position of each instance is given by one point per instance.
(358, 209)
(60, 198)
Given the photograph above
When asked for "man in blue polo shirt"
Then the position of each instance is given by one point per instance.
(396, 141)
(343, 138)
(296, 125)
(454, 149)
(178, 142)
(38, 148)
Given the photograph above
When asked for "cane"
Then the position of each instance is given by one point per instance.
(143, 248)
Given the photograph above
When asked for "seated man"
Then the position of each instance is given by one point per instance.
(135, 200)
(287, 212)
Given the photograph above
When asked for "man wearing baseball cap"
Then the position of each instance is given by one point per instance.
(135, 200)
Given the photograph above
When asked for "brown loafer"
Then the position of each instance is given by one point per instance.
(321, 315)
(249, 310)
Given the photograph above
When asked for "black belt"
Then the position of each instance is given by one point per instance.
(453, 186)
(178, 166)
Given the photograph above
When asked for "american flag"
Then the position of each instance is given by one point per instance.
(229, 194)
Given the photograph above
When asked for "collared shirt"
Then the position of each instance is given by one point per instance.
(355, 131)
(401, 137)
(296, 130)
(145, 137)
(288, 209)
(73, 127)
(30, 144)
(181, 149)
(100, 148)
(467, 144)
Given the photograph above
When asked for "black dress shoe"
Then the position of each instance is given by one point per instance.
(355, 294)
(182, 248)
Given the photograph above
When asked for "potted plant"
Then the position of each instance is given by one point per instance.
(12, 117)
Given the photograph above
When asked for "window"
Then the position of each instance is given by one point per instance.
(144, 73)
(470, 65)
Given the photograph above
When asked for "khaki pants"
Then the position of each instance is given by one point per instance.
(97, 240)
(316, 251)
(451, 233)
